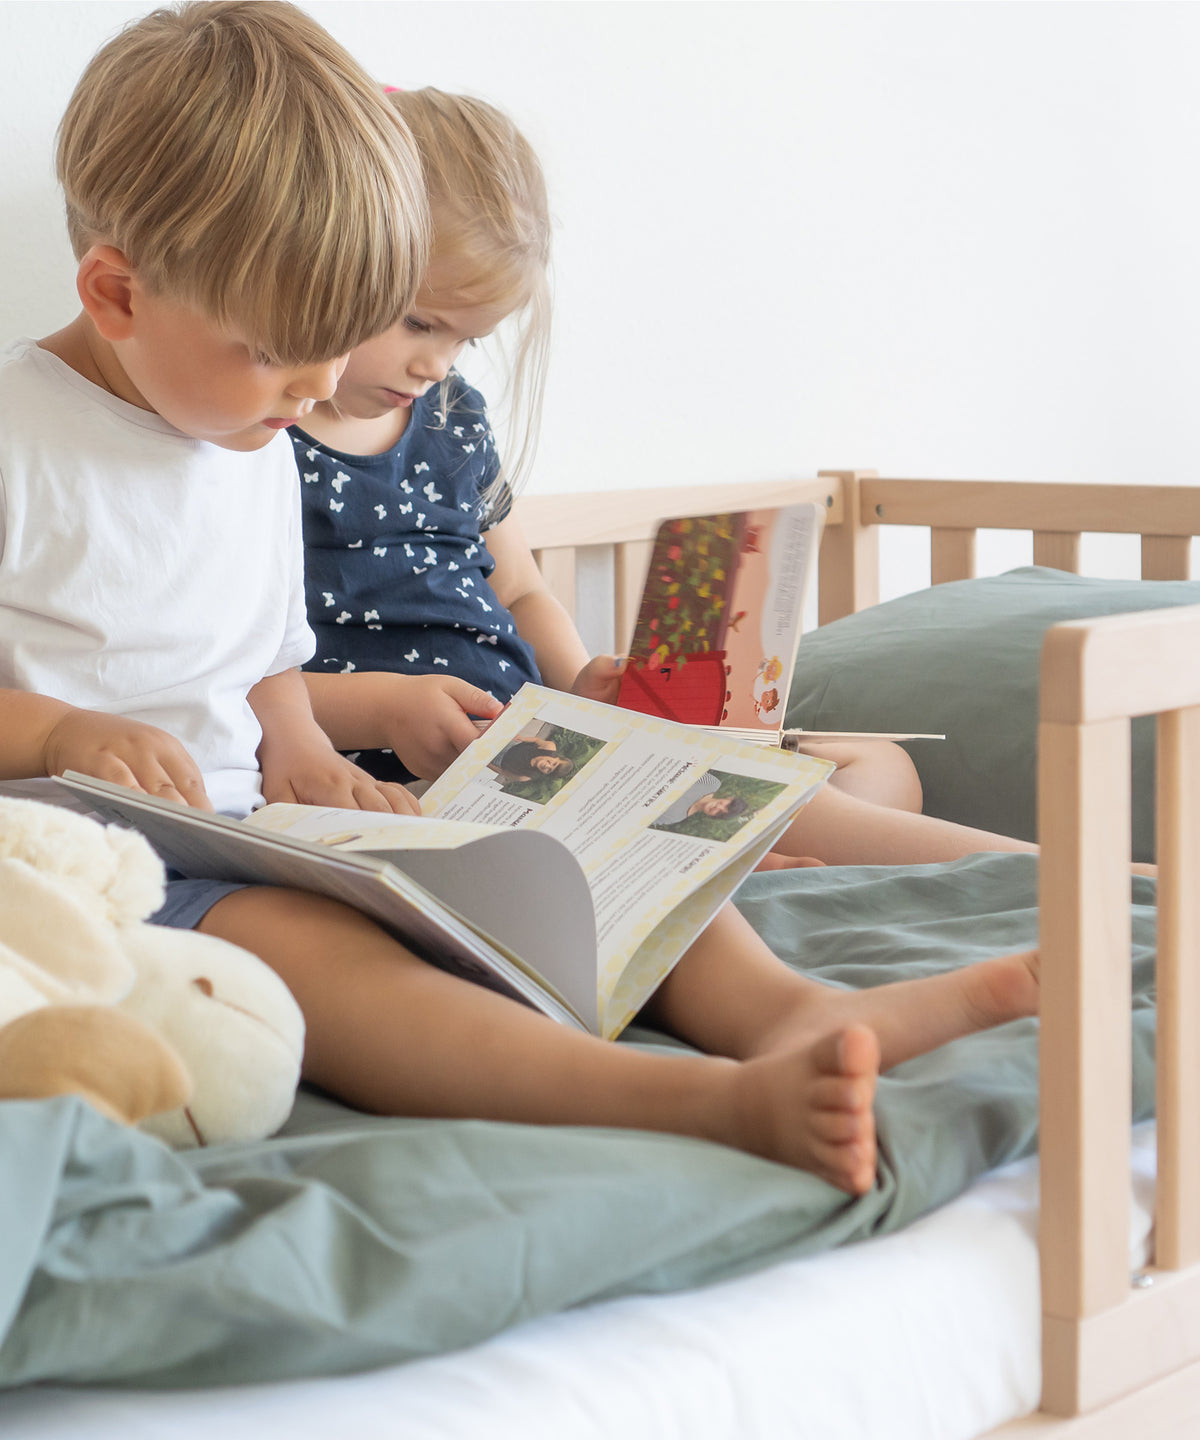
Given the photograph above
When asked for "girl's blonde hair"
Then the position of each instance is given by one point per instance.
(244, 163)
(491, 220)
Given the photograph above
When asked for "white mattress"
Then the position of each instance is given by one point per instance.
(931, 1334)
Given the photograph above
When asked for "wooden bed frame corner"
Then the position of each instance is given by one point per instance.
(1120, 1353)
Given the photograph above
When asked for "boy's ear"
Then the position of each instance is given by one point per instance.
(106, 288)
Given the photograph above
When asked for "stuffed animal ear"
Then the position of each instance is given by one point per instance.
(61, 946)
(136, 889)
(111, 1059)
(114, 870)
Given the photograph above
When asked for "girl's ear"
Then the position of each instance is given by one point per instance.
(106, 288)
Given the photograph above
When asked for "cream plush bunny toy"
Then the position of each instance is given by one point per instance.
(188, 1037)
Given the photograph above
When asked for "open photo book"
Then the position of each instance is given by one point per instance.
(567, 858)
(720, 616)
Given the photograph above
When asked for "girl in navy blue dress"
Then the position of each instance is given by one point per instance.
(428, 607)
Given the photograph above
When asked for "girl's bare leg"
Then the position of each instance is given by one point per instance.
(388, 1033)
(876, 770)
(840, 828)
(844, 829)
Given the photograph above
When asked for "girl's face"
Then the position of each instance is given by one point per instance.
(388, 373)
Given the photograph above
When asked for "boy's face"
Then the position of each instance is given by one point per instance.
(209, 383)
(391, 371)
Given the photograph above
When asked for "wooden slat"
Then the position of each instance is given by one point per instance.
(1178, 974)
(1127, 655)
(1166, 557)
(1026, 505)
(616, 516)
(1085, 1045)
(1057, 549)
(848, 570)
(558, 571)
(630, 563)
(951, 555)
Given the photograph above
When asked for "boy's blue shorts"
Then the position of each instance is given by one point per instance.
(189, 901)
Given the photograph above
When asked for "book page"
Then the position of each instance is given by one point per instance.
(650, 810)
(719, 620)
(375, 831)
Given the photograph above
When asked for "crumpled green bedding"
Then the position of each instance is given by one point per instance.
(349, 1242)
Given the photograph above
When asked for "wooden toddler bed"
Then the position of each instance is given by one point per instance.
(1120, 1351)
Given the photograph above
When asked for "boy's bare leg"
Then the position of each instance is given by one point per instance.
(391, 1034)
(730, 995)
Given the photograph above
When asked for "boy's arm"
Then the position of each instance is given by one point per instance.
(299, 763)
(541, 621)
(43, 736)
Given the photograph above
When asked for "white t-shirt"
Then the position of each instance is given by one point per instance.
(144, 573)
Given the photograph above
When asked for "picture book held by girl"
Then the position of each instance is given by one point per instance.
(719, 620)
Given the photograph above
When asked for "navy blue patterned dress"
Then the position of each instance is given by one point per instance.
(396, 567)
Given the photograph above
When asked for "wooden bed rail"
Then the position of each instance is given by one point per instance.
(562, 528)
(1104, 1335)
(1165, 516)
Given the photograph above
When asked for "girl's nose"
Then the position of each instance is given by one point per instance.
(433, 364)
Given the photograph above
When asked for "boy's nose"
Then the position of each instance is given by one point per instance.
(318, 382)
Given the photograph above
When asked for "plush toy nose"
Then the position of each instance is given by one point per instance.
(204, 985)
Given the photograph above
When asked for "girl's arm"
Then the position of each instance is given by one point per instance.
(424, 719)
(299, 764)
(541, 621)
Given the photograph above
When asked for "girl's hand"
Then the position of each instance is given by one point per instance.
(427, 719)
(317, 775)
(600, 679)
(125, 752)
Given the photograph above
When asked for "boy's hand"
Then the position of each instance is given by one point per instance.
(600, 679)
(125, 752)
(318, 775)
(427, 719)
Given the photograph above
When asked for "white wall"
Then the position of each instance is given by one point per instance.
(934, 239)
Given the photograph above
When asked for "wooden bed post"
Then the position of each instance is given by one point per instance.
(1102, 1338)
(848, 575)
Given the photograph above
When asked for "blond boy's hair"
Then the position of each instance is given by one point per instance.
(244, 163)
(491, 220)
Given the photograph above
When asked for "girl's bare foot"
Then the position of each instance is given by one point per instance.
(811, 1107)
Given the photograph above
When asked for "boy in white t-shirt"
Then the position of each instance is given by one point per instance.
(246, 208)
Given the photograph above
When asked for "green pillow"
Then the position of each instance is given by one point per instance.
(963, 659)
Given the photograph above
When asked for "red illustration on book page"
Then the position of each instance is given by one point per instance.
(720, 616)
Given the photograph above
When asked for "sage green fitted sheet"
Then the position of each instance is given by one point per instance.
(348, 1242)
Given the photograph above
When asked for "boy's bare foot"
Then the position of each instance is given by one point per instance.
(811, 1107)
(911, 1017)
